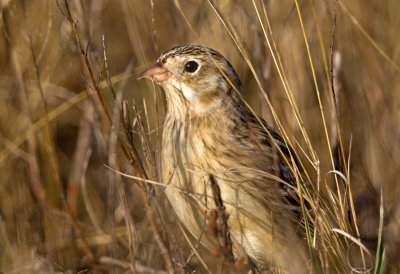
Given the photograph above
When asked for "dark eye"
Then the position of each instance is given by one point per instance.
(191, 66)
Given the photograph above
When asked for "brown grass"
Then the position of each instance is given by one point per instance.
(74, 119)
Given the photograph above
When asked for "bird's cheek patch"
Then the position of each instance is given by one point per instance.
(187, 91)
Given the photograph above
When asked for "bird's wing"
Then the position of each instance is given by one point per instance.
(286, 161)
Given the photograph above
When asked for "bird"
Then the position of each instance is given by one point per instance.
(210, 135)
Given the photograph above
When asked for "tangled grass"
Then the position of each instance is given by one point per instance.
(80, 136)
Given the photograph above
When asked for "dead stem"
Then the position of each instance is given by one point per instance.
(222, 231)
(128, 153)
(83, 145)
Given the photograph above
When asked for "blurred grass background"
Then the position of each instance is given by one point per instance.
(63, 210)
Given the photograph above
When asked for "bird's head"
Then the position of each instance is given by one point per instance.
(196, 79)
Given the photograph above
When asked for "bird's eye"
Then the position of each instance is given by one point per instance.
(191, 66)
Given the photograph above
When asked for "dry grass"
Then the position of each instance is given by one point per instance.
(72, 114)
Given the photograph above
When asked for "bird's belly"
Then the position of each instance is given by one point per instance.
(250, 222)
(247, 197)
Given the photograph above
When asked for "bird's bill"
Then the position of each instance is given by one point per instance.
(156, 73)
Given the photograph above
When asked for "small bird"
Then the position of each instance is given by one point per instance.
(210, 131)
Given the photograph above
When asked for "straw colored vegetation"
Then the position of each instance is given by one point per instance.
(80, 187)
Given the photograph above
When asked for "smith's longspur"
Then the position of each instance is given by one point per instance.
(209, 130)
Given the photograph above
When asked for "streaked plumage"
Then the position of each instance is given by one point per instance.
(209, 130)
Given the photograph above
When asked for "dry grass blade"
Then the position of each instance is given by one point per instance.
(137, 267)
(369, 38)
(353, 239)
